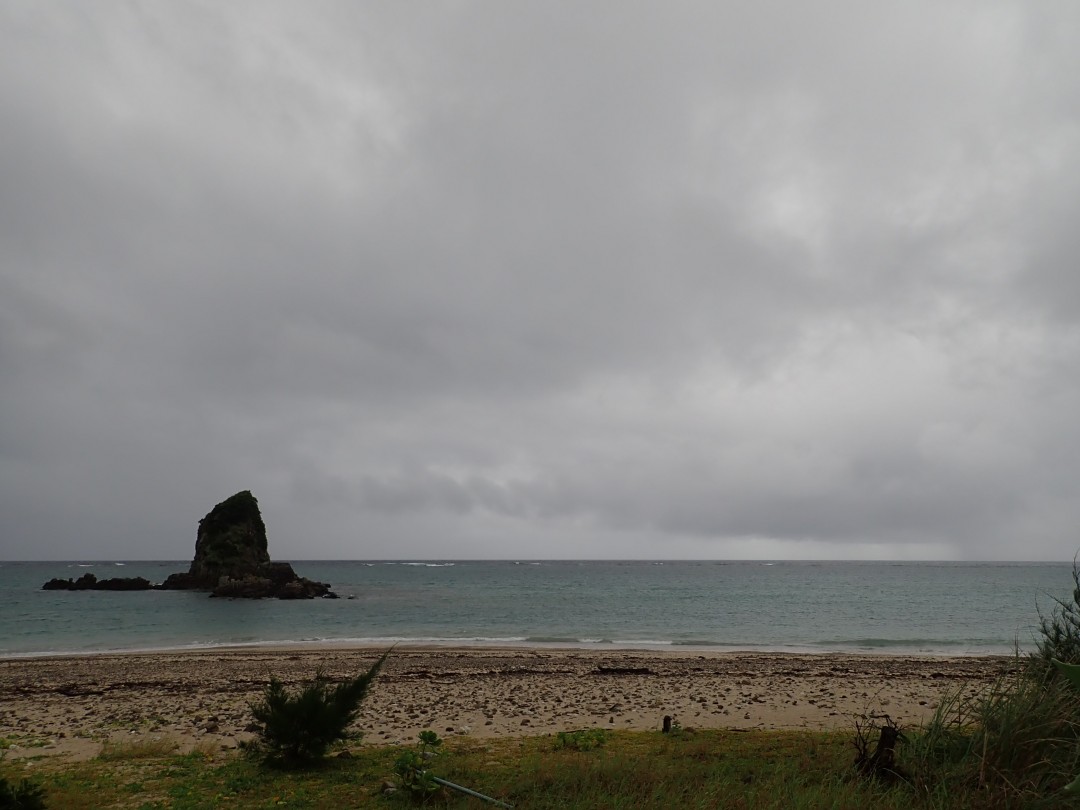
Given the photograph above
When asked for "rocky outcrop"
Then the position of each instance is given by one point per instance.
(272, 579)
(231, 543)
(231, 560)
(89, 582)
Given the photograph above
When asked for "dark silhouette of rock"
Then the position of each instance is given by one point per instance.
(231, 543)
(89, 582)
(231, 540)
(124, 584)
(271, 579)
(231, 560)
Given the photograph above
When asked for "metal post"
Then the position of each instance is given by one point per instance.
(468, 792)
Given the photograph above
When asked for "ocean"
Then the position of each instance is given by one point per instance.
(868, 607)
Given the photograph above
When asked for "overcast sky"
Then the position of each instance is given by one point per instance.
(545, 280)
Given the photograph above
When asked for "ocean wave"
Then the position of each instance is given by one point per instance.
(693, 642)
(643, 642)
(928, 644)
(438, 641)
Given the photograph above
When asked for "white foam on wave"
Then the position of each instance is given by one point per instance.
(643, 642)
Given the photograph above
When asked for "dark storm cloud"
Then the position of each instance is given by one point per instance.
(699, 280)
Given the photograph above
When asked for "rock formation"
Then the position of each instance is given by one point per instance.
(230, 560)
(230, 542)
(89, 582)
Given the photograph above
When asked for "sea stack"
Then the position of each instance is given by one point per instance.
(231, 558)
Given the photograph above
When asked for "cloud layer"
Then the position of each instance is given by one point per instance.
(690, 280)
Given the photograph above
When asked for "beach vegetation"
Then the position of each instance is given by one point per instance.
(1016, 743)
(1059, 630)
(752, 770)
(296, 729)
(585, 739)
(142, 748)
(413, 766)
(22, 795)
(1072, 673)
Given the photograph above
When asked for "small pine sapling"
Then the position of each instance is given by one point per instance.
(297, 729)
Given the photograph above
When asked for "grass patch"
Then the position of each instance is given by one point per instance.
(708, 769)
(127, 750)
(1014, 745)
(583, 740)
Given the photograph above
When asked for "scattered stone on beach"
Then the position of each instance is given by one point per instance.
(79, 702)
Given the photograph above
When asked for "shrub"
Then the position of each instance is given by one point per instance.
(1016, 739)
(1060, 630)
(412, 766)
(583, 740)
(1019, 740)
(25, 795)
(298, 729)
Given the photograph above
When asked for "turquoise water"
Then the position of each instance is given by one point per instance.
(939, 608)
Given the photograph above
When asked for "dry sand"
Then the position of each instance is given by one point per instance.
(70, 706)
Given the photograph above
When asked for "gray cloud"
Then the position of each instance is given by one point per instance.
(701, 280)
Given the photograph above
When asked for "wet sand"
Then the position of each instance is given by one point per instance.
(70, 706)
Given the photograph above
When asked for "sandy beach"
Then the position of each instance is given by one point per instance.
(70, 706)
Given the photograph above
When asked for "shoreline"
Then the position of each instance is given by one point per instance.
(552, 645)
(69, 706)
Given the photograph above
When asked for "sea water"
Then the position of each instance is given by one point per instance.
(901, 607)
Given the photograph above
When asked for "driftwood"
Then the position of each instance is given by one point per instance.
(881, 764)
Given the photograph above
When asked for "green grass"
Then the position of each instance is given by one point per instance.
(124, 751)
(703, 769)
(1017, 742)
